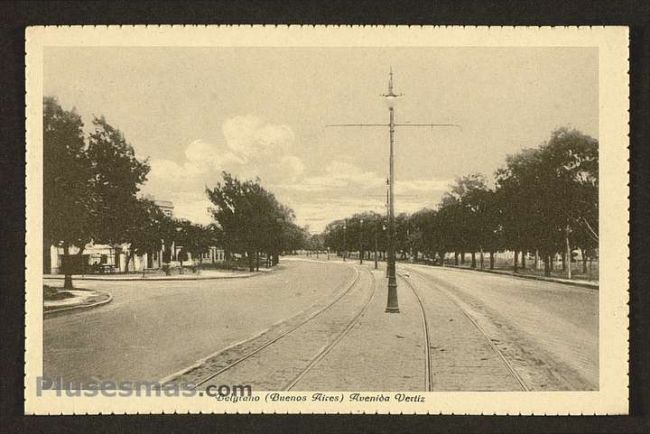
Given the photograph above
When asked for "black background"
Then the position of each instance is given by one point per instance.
(15, 16)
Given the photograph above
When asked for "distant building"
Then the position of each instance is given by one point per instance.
(100, 257)
(166, 206)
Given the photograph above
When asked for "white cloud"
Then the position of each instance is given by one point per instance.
(337, 175)
(200, 153)
(251, 138)
(252, 148)
(343, 189)
(351, 174)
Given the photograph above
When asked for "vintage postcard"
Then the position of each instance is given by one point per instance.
(426, 220)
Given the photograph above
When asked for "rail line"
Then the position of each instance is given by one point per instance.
(427, 347)
(338, 338)
(505, 361)
(282, 335)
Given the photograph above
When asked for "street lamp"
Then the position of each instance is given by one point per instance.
(361, 241)
(390, 98)
(391, 101)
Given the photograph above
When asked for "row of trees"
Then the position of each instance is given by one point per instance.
(545, 200)
(90, 191)
(91, 186)
(252, 221)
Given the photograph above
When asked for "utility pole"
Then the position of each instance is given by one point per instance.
(361, 242)
(376, 233)
(345, 245)
(392, 305)
(384, 227)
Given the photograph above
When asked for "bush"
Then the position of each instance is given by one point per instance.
(53, 294)
(226, 265)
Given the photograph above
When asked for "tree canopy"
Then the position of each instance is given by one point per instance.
(544, 200)
(251, 219)
(90, 187)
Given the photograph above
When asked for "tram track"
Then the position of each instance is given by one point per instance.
(478, 327)
(294, 329)
(321, 355)
(427, 342)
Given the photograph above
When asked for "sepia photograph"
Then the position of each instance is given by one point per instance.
(326, 225)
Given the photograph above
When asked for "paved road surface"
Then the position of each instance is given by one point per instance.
(547, 331)
(153, 329)
(486, 332)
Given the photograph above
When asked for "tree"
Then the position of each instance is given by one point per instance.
(88, 188)
(550, 195)
(251, 218)
(116, 179)
(146, 226)
(545, 200)
(195, 239)
(68, 212)
(295, 237)
(461, 211)
(333, 236)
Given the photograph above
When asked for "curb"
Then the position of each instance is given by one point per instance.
(521, 276)
(153, 279)
(62, 310)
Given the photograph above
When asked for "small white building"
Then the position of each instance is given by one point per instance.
(102, 258)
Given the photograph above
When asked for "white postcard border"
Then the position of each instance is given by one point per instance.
(612, 43)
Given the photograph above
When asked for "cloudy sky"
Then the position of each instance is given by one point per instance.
(261, 112)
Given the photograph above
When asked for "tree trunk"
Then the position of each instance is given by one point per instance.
(251, 265)
(80, 255)
(547, 266)
(257, 260)
(584, 261)
(523, 259)
(129, 257)
(456, 258)
(568, 254)
(551, 264)
(536, 260)
(482, 259)
(473, 259)
(563, 261)
(515, 267)
(462, 258)
(67, 281)
(491, 260)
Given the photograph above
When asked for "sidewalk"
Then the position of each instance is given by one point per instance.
(203, 275)
(593, 284)
(80, 299)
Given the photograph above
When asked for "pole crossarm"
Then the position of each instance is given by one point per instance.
(395, 125)
(392, 305)
(428, 125)
(356, 125)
